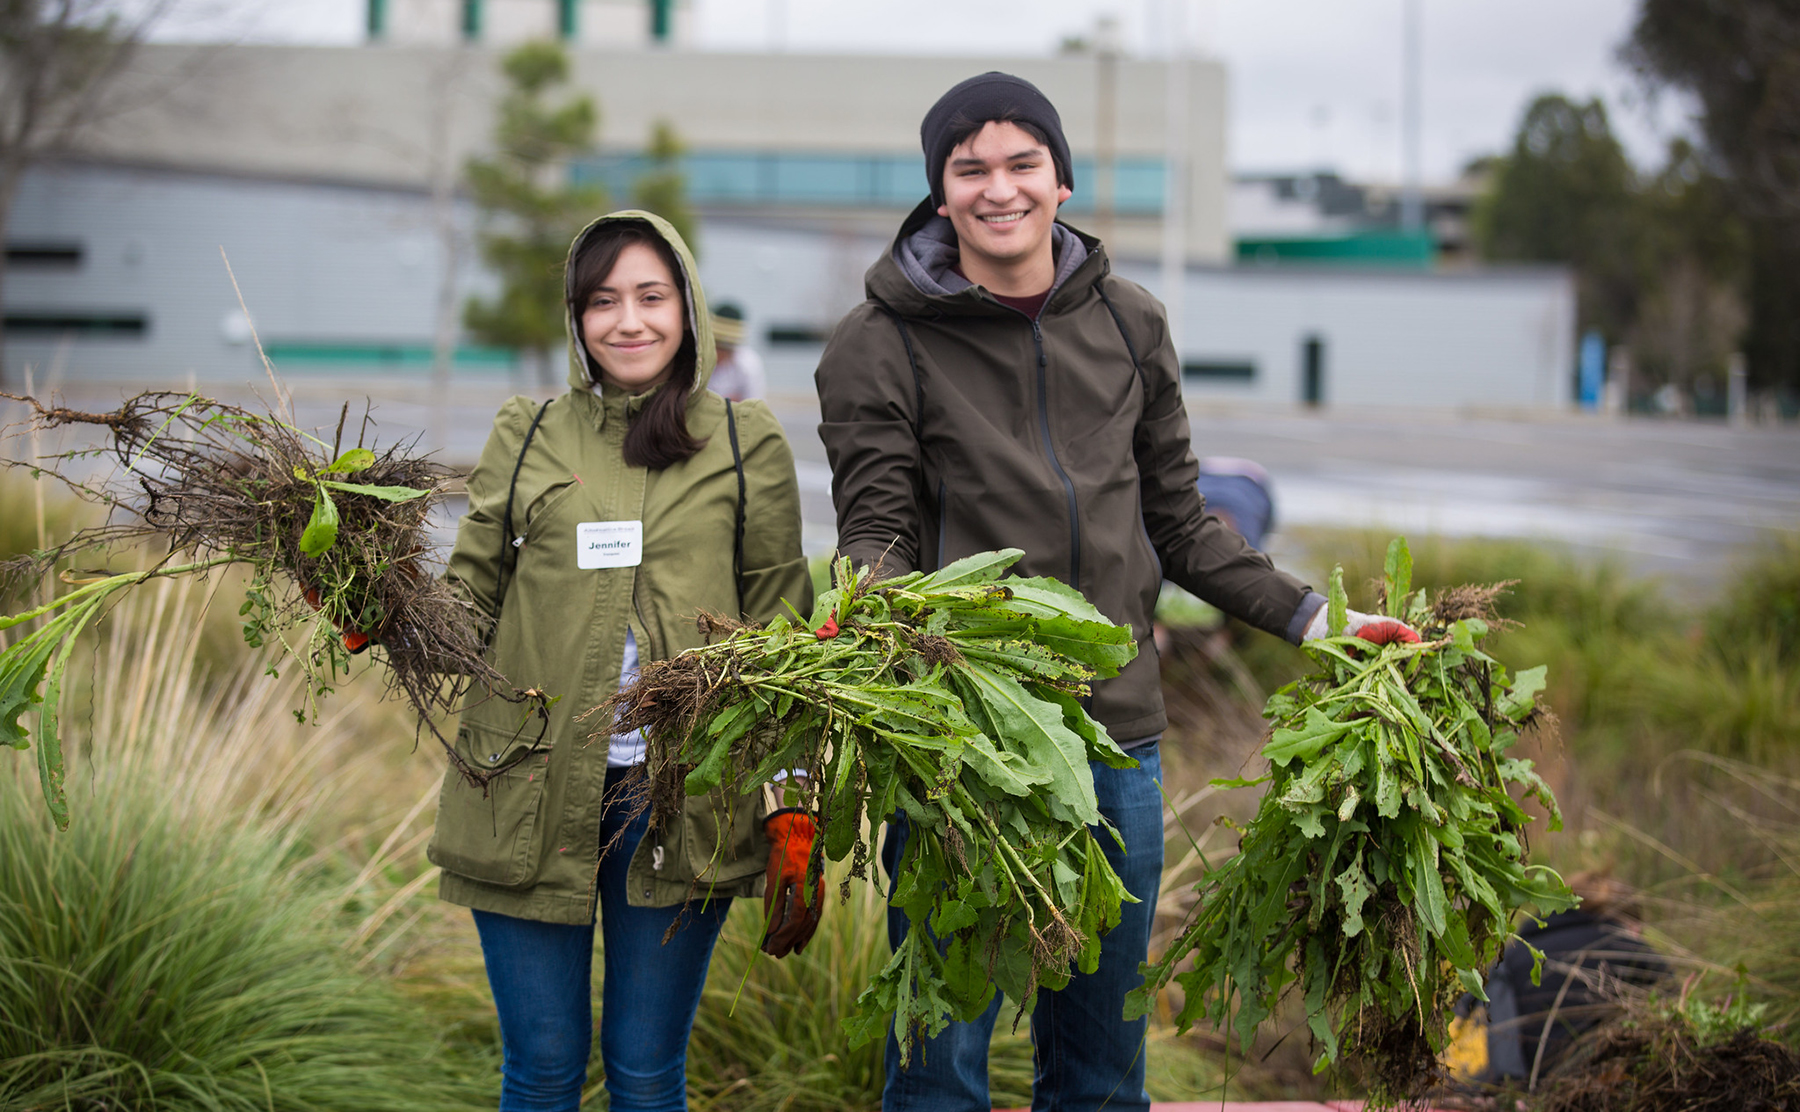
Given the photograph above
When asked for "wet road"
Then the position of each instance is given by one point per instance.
(1666, 498)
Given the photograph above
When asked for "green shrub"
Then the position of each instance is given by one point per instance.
(176, 949)
(1762, 600)
(768, 1037)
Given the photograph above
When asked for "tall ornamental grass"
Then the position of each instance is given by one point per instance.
(181, 946)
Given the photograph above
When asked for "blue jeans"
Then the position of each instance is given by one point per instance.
(541, 972)
(1087, 1056)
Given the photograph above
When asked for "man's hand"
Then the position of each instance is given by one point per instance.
(791, 918)
(1370, 627)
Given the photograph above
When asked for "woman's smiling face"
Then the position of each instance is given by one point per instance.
(633, 323)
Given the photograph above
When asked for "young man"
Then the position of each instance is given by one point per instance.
(1002, 388)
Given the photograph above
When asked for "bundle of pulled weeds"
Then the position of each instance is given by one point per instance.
(1660, 1058)
(333, 537)
(953, 699)
(1388, 858)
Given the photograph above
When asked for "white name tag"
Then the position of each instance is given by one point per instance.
(609, 544)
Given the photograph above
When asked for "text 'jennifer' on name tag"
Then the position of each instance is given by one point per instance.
(609, 544)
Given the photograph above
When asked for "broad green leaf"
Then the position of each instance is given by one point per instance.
(321, 532)
(1100, 744)
(1306, 741)
(1034, 729)
(1397, 576)
(1050, 597)
(385, 493)
(1525, 688)
(1355, 890)
(1008, 772)
(983, 567)
(356, 459)
(21, 671)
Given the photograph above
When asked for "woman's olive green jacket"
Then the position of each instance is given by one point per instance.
(529, 845)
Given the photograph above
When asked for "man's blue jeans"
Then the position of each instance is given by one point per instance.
(1087, 1056)
(540, 973)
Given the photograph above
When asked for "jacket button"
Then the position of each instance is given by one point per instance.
(646, 893)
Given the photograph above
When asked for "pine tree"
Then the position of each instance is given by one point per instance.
(662, 188)
(530, 208)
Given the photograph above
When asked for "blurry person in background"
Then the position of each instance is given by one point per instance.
(1239, 491)
(1595, 957)
(739, 374)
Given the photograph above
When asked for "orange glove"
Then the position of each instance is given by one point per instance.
(355, 640)
(791, 918)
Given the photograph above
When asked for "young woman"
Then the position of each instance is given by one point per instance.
(600, 524)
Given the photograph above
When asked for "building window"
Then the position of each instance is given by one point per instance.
(82, 325)
(1219, 370)
(797, 334)
(777, 178)
(44, 256)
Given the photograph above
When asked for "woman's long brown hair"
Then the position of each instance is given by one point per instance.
(658, 436)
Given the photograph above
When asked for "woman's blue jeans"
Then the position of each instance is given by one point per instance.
(541, 977)
(1086, 1055)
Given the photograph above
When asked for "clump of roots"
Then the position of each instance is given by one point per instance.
(1453, 604)
(936, 650)
(1649, 1062)
(217, 480)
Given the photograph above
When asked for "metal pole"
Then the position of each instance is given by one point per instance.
(1737, 391)
(1175, 187)
(1106, 113)
(1412, 206)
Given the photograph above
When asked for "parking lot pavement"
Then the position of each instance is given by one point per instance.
(1667, 498)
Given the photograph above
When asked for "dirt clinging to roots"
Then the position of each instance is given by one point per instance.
(218, 480)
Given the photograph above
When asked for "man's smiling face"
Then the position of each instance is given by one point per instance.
(1001, 195)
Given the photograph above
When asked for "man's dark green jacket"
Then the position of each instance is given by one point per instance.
(955, 424)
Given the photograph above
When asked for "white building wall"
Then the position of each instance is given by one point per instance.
(342, 265)
(1488, 338)
(315, 263)
(394, 114)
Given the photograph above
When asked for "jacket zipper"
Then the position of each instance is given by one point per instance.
(943, 519)
(1037, 339)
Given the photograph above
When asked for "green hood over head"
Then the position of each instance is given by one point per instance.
(582, 373)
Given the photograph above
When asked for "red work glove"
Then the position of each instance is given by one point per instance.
(355, 640)
(1387, 631)
(1372, 628)
(791, 919)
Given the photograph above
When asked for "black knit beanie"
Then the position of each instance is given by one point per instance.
(972, 103)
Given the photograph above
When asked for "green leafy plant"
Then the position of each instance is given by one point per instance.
(334, 562)
(186, 947)
(955, 699)
(1382, 871)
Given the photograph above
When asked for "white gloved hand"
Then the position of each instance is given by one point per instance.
(1370, 627)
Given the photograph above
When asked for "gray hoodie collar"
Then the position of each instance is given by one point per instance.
(927, 256)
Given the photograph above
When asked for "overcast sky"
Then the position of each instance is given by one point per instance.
(1314, 83)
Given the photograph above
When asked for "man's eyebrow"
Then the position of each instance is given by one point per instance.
(1029, 152)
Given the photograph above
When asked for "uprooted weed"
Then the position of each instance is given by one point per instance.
(325, 528)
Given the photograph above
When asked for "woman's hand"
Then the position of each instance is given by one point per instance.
(791, 918)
